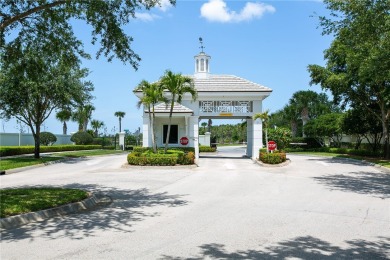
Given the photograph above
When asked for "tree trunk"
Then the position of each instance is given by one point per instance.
(85, 125)
(385, 135)
(169, 125)
(120, 124)
(37, 135)
(64, 128)
(305, 119)
(294, 128)
(266, 139)
(151, 123)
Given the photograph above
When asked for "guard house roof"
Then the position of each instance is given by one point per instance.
(227, 83)
(165, 108)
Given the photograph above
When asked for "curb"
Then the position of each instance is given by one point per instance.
(88, 204)
(287, 162)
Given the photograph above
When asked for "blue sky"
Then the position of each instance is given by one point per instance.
(267, 42)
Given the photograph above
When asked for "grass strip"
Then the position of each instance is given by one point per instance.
(77, 154)
(382, 162)
(12, 163)
(20, 201)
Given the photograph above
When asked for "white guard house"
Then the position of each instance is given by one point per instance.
(219, 97)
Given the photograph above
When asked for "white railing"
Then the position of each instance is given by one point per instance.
(240, 107)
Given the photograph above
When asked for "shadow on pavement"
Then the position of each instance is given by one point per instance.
(376, 184)
(306, 247)
(127, 207)
(224, 157)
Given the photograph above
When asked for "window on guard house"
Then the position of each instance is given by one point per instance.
(173, 136)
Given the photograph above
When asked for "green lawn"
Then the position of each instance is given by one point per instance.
(12, 163)
(384, 163)
(19, 201)
(76, 154)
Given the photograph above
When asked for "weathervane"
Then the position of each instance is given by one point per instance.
(201, 44)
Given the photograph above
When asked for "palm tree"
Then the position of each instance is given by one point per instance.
(96, 125)
(82, 116)
(264, 118)
(291, 115)
(309, 104)
(204, 124)
(152, 94)
(64, 116)
(177, 85)
(120, 115)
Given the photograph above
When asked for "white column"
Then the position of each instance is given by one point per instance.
(146, 138)
(122, 140)
(249, 133)
(194, 135)
(257, 129)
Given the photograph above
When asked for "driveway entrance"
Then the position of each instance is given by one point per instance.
(227, 208)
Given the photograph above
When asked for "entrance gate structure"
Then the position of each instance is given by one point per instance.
(219, 97)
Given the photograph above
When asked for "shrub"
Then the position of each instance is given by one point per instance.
(145, 156)
(273, 158)
(136, 158)
(18, 150)
(206, 149)
(47, 138)
(82, 138)
(281, 135)
(188, 159)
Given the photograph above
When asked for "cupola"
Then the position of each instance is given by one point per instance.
(202, 63)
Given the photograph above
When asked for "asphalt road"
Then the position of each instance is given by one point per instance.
(227, 208)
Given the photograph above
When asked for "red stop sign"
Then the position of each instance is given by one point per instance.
(271, 145)
(184, 140)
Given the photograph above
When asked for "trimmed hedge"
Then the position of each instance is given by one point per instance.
(184, 149)
(337, 151)
(136, 158)
(206, 149)
(18, 150)
(172, 157)
(273, 158)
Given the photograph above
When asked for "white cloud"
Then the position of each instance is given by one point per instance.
(146, 17)
(164, 5)
(217, 11)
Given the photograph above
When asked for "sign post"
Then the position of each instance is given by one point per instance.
(184, 140)
(271, 146)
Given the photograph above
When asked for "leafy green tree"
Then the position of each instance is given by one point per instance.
(358, 123)
(358, 63)
(33, 86)
(282, 136)
(120, 115)
(96, 125)
(177, 85)
(152, 95)
(29, 19)
(64, 115)
(264, 118)
(326, 126)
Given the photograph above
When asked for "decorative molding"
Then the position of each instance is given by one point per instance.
(238, 107)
